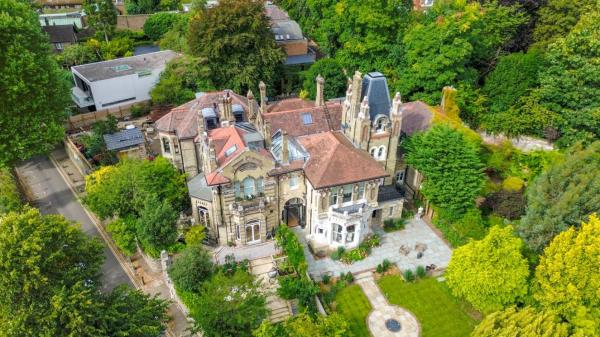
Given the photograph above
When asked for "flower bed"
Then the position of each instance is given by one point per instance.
(357, 254)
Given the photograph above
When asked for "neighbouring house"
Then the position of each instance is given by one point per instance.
(61, 36)
(128, 143)
(118, 82)
(288, 35)
(331, 167)
(73, 18)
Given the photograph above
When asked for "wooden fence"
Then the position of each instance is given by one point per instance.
(86, 119)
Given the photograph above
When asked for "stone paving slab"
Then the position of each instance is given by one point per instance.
(416, 231)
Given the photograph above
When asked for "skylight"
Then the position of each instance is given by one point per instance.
(307, 118)
(121, 67)
(230, 151)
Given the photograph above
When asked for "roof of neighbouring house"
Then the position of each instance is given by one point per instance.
(198, 188)
(334, 161)
(374, 86)
(290, 115)
(183, 120)
(387, 193)
(61, 33)
(124, 139)
(125, 66)
(416, 116)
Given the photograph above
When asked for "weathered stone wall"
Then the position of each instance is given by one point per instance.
(133, 22)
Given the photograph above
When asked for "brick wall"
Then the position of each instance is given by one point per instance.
(133, 22)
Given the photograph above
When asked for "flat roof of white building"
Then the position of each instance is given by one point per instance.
(99, 71)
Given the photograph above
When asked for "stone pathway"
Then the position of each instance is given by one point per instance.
(384, 311)
(416, 231)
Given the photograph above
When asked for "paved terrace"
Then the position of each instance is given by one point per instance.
(416, 231)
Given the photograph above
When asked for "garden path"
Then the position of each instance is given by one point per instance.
(384, 312)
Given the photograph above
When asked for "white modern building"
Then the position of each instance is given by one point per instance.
(124, 81)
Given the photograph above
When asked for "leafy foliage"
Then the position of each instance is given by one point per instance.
(567, 279)
(101, 16)
(476, 267)
(557, 17)
(10, 198)
(228, 306)
(332, 72)
(450, 164)
(49, 273)
(33, 92)
(156, 230)
(526, 322)
(94, 141)
(151, 6)
(181, 79)
(235, 39)
(562, 197)
(292, 247)
(304, 325)
(175, 38)
(159, 23)
(191, 269)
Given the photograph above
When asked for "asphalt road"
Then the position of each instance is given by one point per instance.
(52, 196)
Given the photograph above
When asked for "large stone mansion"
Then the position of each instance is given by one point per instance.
(333, 167)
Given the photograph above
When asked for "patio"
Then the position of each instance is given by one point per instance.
(415, 232)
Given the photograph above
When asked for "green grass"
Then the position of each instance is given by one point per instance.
(438, 312)
(354, 306)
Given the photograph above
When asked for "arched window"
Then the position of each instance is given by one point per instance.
(372, 151)
(381, 153)
(380, 124)
(249, 187)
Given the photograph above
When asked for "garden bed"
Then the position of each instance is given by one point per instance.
(357, 254)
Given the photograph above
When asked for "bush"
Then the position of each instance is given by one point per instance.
(509, 205)
(301, 288)
(336, 255)
(347, 277)
(421, 272)
(391, 225)
(292, 247)
(326, 278)
(10, 198)
(139, 110)
(373, 240)
(409, 276)
(191, 269)
(513, 184)
(160, 23)
(355, 255)
(383, 266)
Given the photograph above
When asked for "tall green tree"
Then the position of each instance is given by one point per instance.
(49, 274)
(159, 23)
(236, 40)
(333, 74)
(102, 16)
(191, 269)
(525, 322)
(562, 197)
(182, 78)
(228, 306)
(476, 268)
(33, 95)
(556, 18)
(567, 278)
(156, 228)
(450, 164)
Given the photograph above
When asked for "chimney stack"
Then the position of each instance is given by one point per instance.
(396, 103)
(285, 154)
(251, 111)
(263, 96)
(320, 99)
(356, 92)
(267, 134)
(364, 109)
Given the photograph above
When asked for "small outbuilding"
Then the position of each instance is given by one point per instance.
(128, 143)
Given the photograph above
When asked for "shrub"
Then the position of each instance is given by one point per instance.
(421, 272)
(139, 110)
(160, 23)
(391, 225)
(409, 276)
(336, 255)
(509, 205)
(301, 288)
(326, 278)
(292, 247)
(373, 240)
(355, 255)
(10, 199)
(191, 269)
(513, 184)
(383, 266)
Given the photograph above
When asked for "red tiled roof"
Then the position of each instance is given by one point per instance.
(182, 120)
(287, 115)
(216, 178)
(335, 161)
(225, 139)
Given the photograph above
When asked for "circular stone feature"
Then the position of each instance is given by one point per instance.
(393, 325)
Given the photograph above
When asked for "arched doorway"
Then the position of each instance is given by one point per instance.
(293, 213)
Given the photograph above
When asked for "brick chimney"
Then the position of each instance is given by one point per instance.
(263, 96)
(251, 111)
(320, 99)
(267, 134)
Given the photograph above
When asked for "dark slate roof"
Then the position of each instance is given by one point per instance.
(61, 33)
(198, 188)
(351, 209)
(307, 58)
(124, 139)
(387, 193)
(375, 87)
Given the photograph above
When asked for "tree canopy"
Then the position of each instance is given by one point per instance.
(191, 269)
(236, 40)
(10, 197)
(182, 78)
(49, 274)
(475, 268)
(562, 197)
(451, 166)
(557, 17)
(567, 278)
(159, 23)
(101, 16)
(525, 322)
(333, 74)
(303, 325)
(34, 96)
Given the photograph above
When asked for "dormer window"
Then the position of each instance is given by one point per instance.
(230, 151)
(307, 118)
(380, 124)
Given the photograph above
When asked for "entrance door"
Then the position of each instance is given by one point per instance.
(293, 213)
(252, 232)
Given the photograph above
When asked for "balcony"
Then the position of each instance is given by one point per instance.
(81, 98)
(249, 205)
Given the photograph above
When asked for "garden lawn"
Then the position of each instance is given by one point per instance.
(354, 306)
(438, 312)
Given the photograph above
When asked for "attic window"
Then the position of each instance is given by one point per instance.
(121, 67)
(307, 118)
(230, 151)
